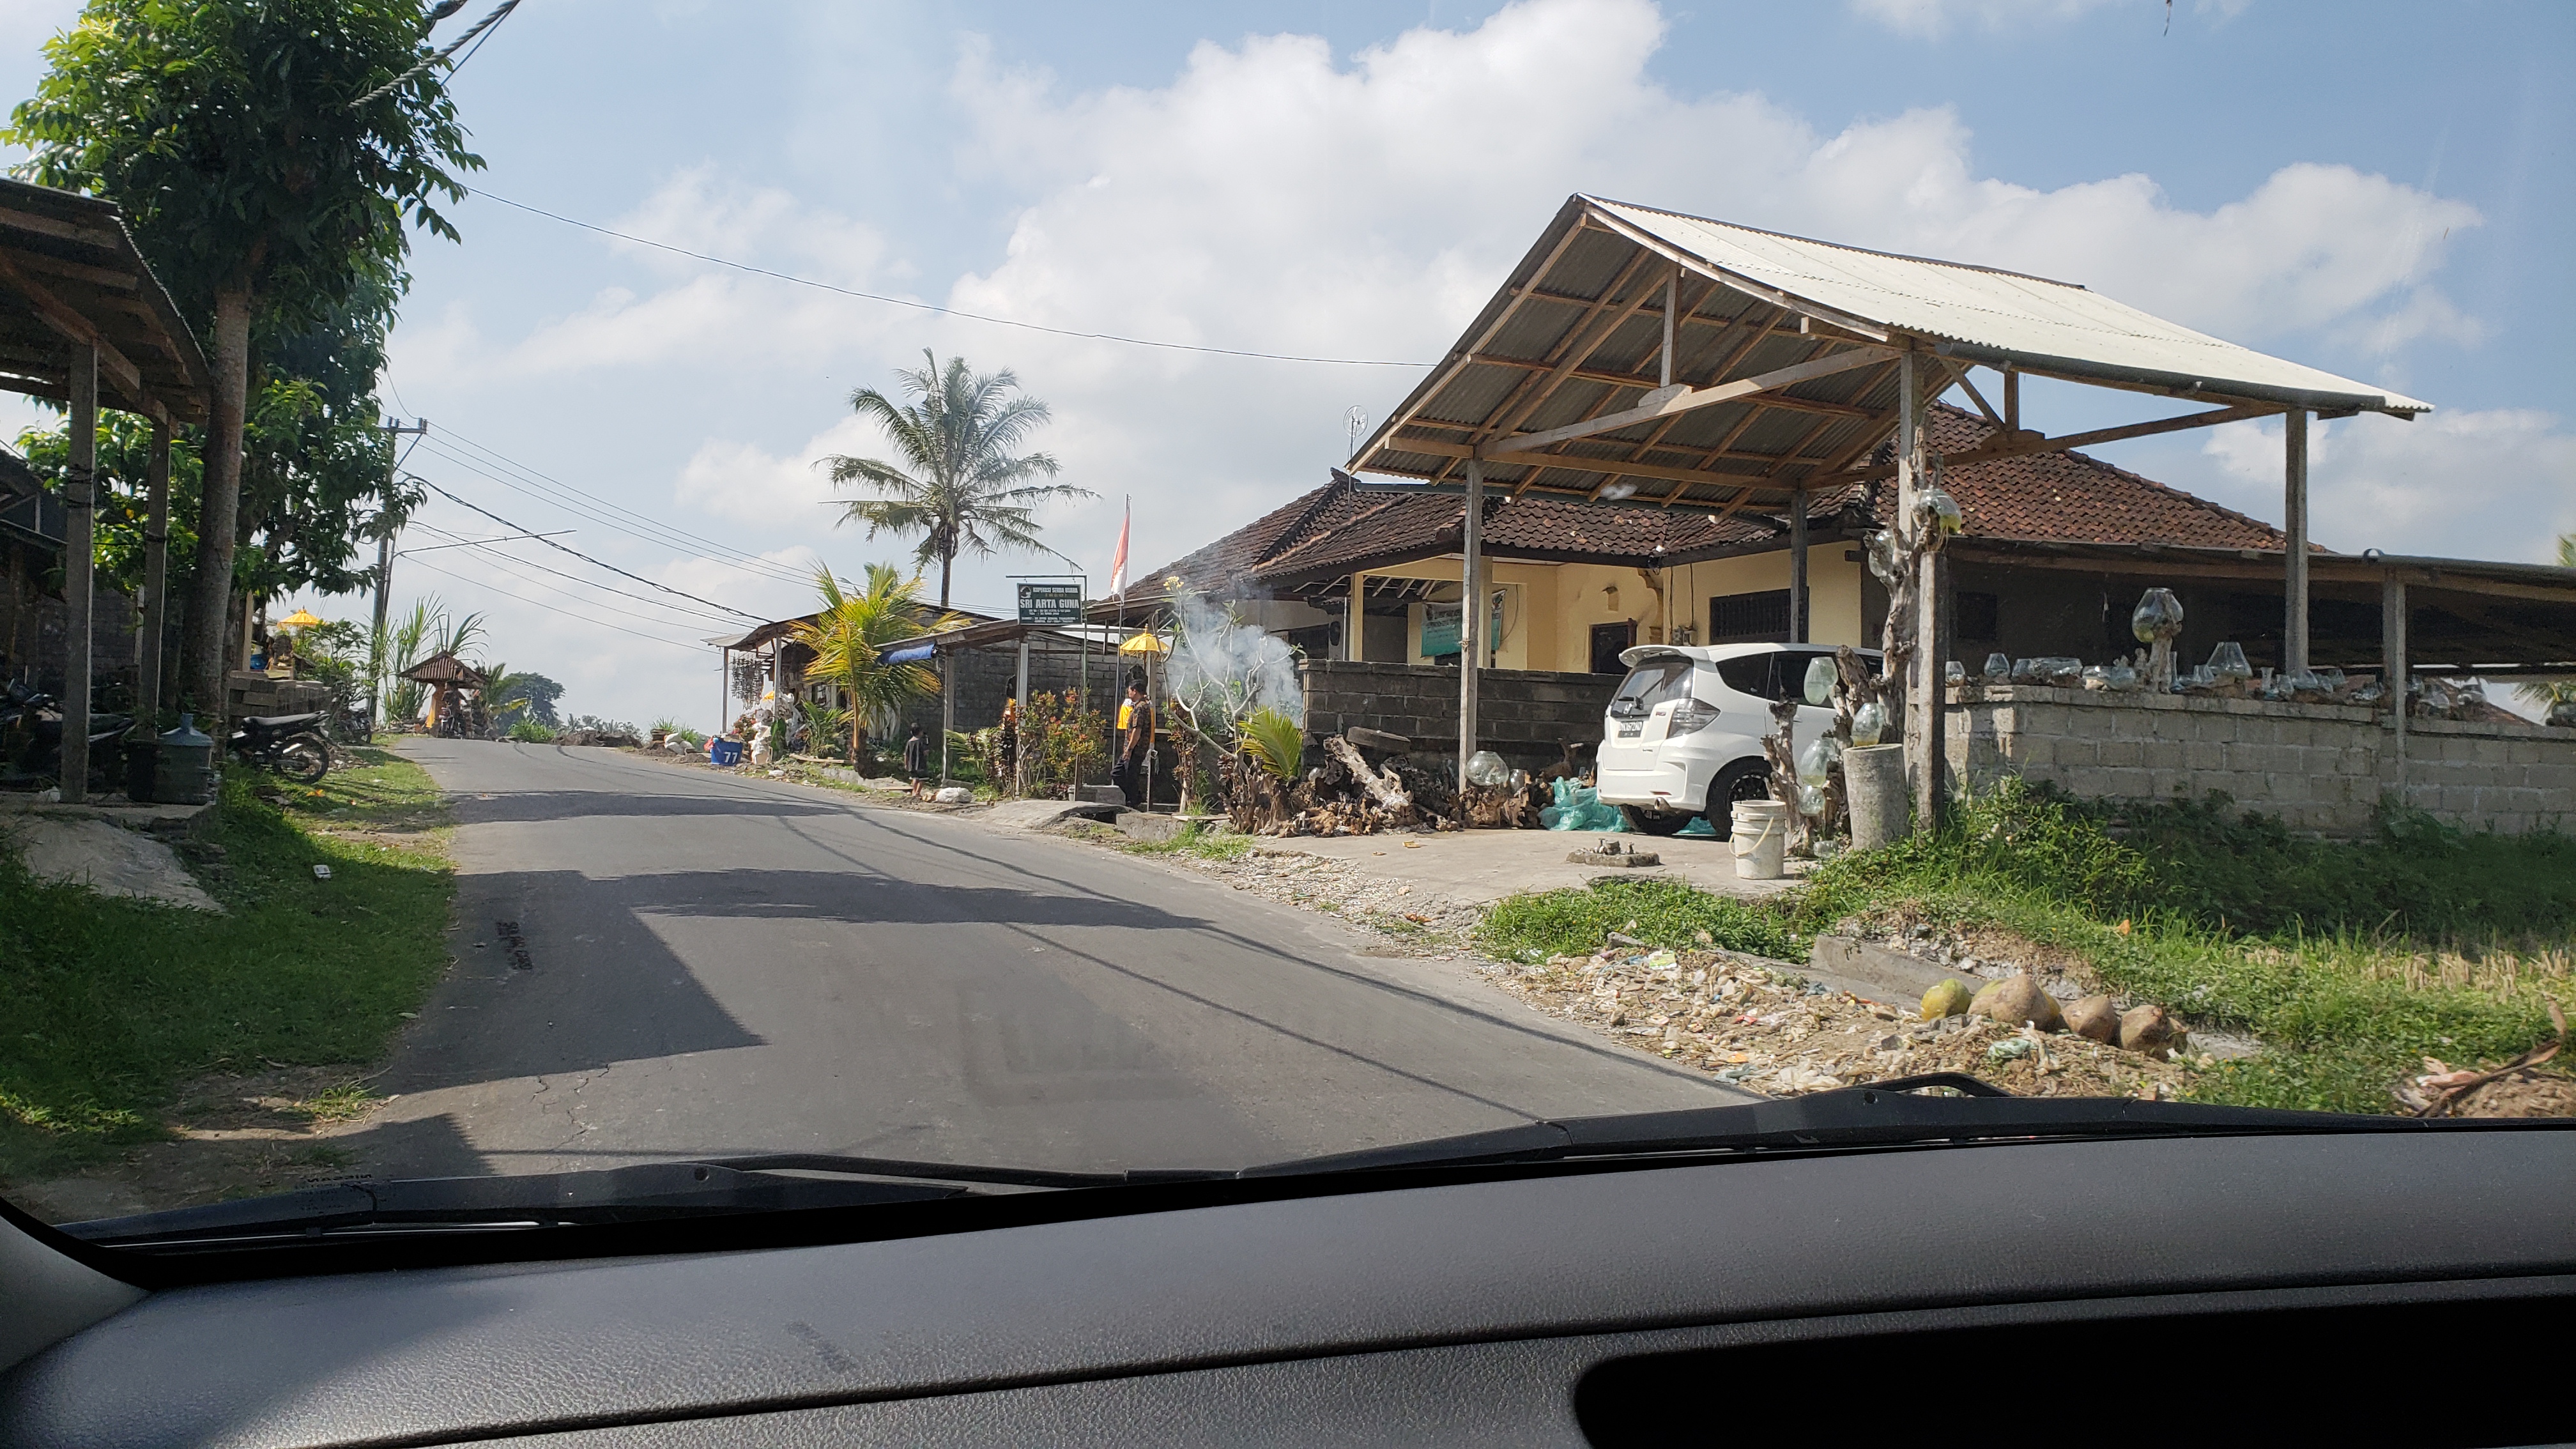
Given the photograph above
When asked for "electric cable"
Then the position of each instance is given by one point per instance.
(696, 617)
(642, 527)
(557, 609)
(935, 307)
(586, 558)
(488, 22)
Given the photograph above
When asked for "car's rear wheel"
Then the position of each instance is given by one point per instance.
(1743, 780)
(1655, 822)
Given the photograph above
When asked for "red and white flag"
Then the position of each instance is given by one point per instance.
(1118, 561)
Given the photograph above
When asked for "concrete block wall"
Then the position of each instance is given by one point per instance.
(1523, 715)
(2321, 768)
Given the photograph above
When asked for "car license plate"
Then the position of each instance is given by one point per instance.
(1630, 732)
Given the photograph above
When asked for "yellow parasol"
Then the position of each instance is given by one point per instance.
(300, 619)
(1147, 642)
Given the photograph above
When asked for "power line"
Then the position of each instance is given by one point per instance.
(477, 28)
(557, 609)
(695, 617)
(586, 558)
(585, 505)
(935, 307)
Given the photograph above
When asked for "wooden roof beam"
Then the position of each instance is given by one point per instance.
(1582, 341)
(73, 327)
(2019, 449)
(1689, 398)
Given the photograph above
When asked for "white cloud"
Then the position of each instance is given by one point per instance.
(2499, 484)
(1933, 19)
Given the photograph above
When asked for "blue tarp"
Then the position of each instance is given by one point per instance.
(908, 654)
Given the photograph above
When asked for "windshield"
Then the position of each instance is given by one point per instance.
(1050, 441)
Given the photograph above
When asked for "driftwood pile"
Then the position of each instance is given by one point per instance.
(1363, 781)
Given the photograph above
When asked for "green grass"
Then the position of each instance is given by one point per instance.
(1196, 841)
(1572, 922)
(108, 1005)
(2350, 960)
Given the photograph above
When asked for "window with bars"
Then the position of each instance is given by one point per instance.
(1749, 618)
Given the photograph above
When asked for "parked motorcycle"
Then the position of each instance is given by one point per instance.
(31, 736)
(292, 746)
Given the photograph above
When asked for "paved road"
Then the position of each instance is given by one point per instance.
(657, 961)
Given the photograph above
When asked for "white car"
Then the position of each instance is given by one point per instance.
(1683, 737)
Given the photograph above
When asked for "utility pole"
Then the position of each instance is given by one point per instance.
(376, 661)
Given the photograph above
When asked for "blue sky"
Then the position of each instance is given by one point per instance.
(2383, 190)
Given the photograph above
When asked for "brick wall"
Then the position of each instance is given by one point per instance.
(1522, 715)
(2321, 768)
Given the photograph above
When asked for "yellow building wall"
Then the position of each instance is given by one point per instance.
(1549, 609)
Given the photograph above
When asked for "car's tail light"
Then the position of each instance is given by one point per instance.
(1689, 715)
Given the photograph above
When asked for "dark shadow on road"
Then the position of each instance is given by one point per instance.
(504, 807)
(873, 900)
(598, 986)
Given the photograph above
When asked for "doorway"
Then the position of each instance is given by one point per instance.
(1607, 642)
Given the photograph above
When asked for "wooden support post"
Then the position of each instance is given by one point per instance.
(724, 687)
(1798, 566)
(2012, 401)
(1672, 328)
(1922, 684)
(2294, 553)
(80, 572)
(1471, 632)
(1354, 620)
(2393, 666)
(156, 576)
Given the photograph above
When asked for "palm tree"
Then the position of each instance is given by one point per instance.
(2554, 691)
(959, 486)
(849, 635)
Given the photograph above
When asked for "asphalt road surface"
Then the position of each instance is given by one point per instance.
(658, 962)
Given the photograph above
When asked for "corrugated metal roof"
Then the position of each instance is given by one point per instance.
(1555, 385)
(2003, 314)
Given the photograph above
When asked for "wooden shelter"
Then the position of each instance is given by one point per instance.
(446, 675)
(1650, 359)
(84, 322)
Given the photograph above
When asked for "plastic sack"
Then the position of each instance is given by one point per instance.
(1579, 807)
(1869, 724)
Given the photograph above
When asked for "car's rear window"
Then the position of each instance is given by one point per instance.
(1650, 684)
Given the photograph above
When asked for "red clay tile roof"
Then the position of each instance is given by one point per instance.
(2044, 497)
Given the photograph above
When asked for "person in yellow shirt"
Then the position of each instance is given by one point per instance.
(1135, 737)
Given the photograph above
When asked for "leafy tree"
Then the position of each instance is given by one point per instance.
(532, 694)
(2546, 692)
(848, 636)
(267, 190)
(959, 486)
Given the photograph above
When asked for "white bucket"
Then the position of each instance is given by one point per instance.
(1761, 839)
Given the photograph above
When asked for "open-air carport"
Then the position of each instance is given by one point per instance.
(83, 322)
(1656, 360)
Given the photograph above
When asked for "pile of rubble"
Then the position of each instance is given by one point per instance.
(1758, 1023)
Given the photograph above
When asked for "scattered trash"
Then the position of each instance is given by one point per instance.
(954, 795)
(321, 872)
(1579, 807)
(2012, 1048)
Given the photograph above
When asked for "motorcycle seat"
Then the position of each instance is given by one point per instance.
(278, 721)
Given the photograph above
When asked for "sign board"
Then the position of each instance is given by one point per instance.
(1440, 629)
(1052, 606)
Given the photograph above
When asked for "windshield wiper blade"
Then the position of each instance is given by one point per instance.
(1885, 1114)
(710, 1186)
